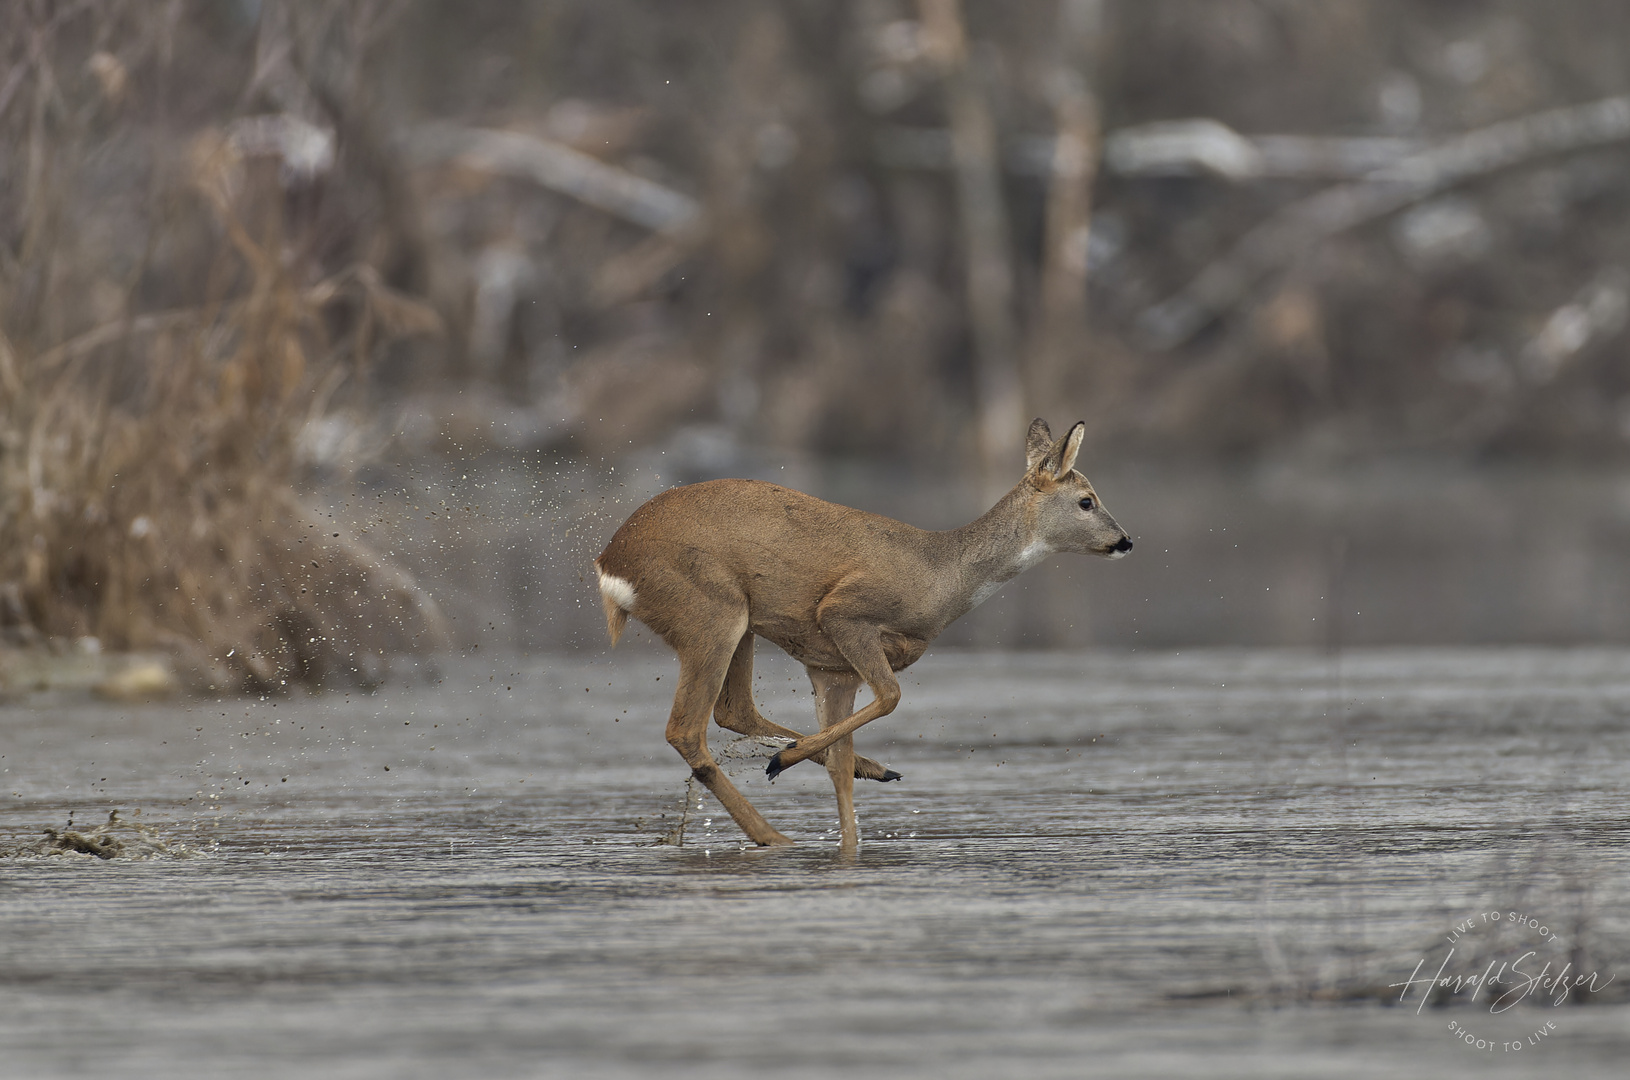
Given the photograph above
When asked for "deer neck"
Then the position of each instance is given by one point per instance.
(993, 550)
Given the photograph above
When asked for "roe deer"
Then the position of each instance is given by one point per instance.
(855, 597)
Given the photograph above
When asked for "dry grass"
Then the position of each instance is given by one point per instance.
(147, 461)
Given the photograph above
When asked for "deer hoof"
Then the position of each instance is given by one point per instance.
(888, 774)
(774, 768)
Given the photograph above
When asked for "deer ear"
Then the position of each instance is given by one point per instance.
(1037, 443)
(1069, 448)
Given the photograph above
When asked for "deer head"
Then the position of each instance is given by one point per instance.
(1062, 510)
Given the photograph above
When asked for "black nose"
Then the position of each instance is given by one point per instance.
(1125, 544)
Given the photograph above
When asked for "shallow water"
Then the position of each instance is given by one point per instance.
(1206, 863)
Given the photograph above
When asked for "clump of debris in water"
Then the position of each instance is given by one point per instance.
(117, 838)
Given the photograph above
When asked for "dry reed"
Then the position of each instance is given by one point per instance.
(147, 462)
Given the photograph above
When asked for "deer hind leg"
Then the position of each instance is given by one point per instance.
(736, 711)
(860, 644)
(703, 663)
(834, 701)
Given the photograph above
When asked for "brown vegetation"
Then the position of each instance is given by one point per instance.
(881, 228)
(146, 494)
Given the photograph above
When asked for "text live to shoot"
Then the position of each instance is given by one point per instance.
(1510, 981)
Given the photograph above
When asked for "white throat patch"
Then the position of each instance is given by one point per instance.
(1033, 553)
(985, 592)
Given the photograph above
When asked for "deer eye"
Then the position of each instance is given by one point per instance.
(1087, 503)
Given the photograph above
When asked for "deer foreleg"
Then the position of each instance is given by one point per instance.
(834, 700)
(736, 711)
(859, 643)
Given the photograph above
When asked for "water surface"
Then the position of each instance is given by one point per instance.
(1199, 863)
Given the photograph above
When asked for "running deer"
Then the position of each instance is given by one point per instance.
(853, 596)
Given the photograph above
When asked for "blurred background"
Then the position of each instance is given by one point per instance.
(334, 331)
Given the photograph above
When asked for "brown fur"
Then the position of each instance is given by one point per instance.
(616, 620)
(853, 596)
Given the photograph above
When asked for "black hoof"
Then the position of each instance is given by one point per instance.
(773, 769)
(888, 774)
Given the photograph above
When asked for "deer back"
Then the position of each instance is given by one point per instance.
(782, 550)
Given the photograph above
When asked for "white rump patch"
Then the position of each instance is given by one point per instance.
(618, 590)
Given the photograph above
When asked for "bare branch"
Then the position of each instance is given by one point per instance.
(1302, 225)
(559, 168)
(36, 50)
(1170, 148)
(1597, 312)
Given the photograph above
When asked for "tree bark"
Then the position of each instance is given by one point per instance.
(999, 401)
